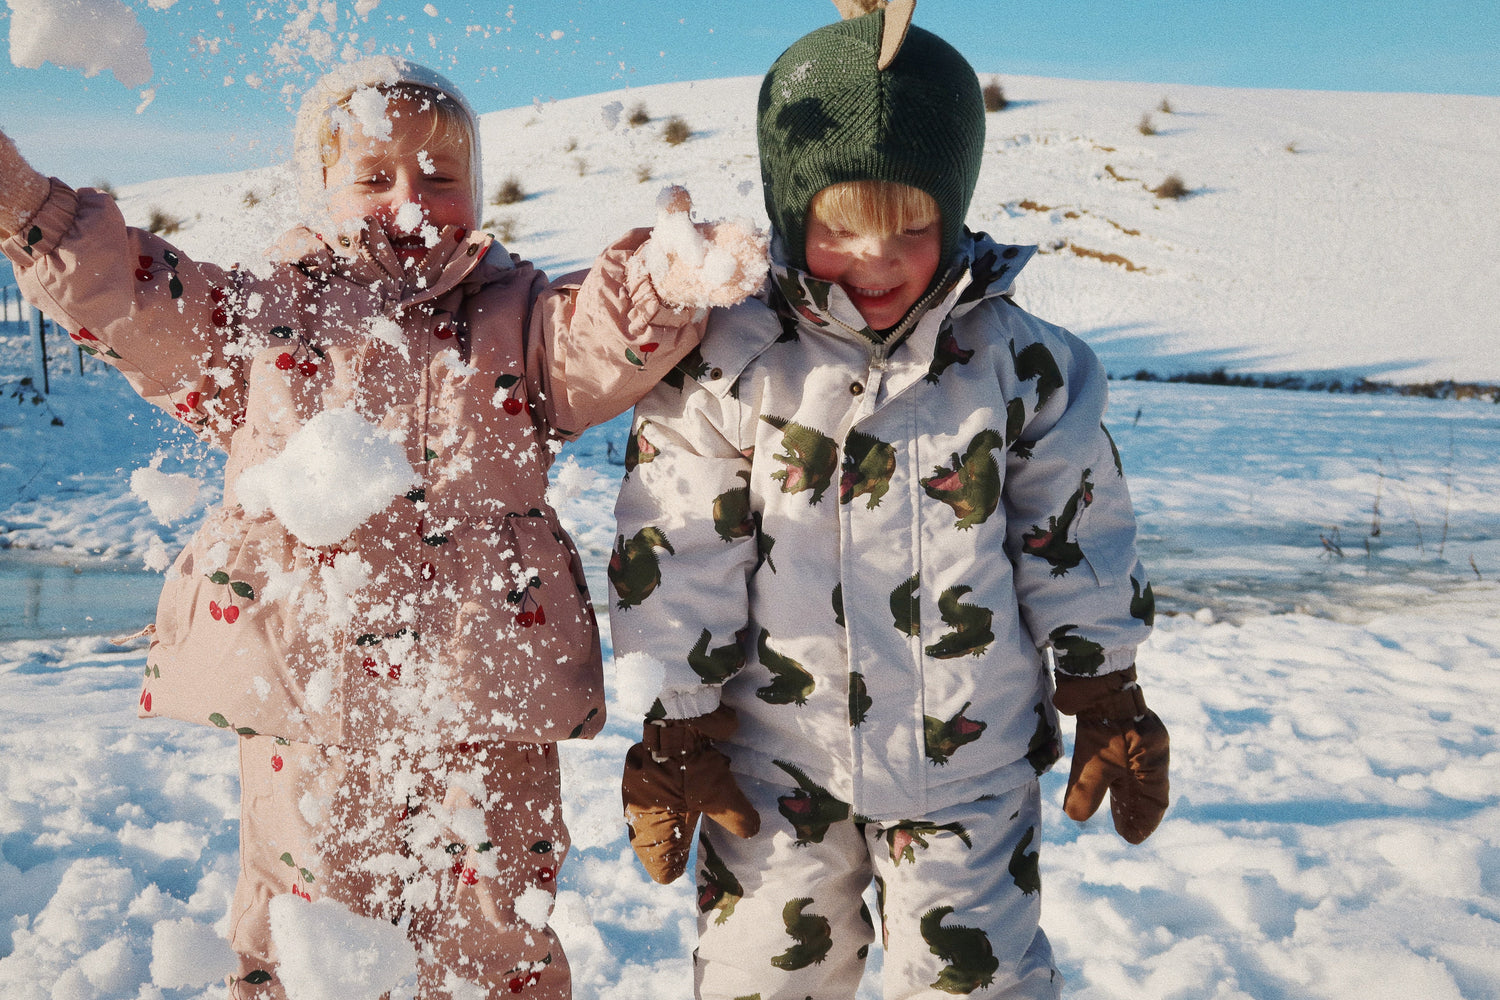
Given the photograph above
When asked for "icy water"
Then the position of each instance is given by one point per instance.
(48, 598)
(1250, 502)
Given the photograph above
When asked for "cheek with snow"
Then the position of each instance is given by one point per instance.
(334, 474)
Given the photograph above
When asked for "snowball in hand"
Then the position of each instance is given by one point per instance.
(702, 264)
(334, 474)
(327, 952)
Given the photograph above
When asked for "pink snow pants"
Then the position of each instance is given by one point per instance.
(781, 915)
(445, 843)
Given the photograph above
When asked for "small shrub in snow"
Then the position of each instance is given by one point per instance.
(1172, 187)
(105, 186)
(1165, 107)
(571, 144)
(250, 198)
(638, 116)
(161, 223)
(643, 173)
(1291, 147)
(509, 192)
(504, 228)
(1146, 127)
(676, 131)
(581, 165)
(994, 96)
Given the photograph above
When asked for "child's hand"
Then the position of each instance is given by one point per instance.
(1120, 747)
(22, 189)
(701, 264)
(673, 776)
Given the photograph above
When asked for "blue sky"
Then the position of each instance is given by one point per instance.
(223, 102)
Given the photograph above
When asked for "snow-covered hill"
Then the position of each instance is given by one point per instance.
(1323, 233)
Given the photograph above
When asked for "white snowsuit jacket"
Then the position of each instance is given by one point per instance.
(866, 547)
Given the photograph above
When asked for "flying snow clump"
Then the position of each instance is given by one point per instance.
(91, 35)
(334, 474)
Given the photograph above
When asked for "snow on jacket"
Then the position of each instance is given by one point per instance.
(459, 611)
(864, 548)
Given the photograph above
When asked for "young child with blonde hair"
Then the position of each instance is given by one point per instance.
(384, 607)
(875, 539)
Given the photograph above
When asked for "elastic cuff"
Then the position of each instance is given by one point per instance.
(44, 225)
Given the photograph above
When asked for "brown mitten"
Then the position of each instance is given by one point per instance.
(671, 777)
(1120, 746)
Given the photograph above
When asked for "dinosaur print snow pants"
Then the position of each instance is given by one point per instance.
(781, 915)
(460, 847)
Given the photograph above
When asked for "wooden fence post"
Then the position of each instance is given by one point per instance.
(39, 339)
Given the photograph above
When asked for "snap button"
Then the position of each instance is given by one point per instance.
(856, 388)
(716, 374)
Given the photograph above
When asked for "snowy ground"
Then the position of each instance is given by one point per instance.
(1331, 687)
(1336, 826)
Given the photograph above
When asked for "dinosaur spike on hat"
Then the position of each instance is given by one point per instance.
(897, 19)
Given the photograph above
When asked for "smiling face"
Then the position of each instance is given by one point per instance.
(413, 183)
(880, 242)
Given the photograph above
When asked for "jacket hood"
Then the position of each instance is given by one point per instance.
(324, 98)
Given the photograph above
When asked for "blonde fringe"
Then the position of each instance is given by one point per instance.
(445, 121)
(879, 207)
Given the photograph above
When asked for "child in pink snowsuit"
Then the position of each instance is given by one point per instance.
(400, 651)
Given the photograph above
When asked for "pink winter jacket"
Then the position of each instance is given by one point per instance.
(459, 612)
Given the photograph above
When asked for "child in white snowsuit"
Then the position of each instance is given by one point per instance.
(398, 675)
(856, 528)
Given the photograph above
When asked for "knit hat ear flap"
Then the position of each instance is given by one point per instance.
(897, 19)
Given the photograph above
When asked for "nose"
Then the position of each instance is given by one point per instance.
(404, 188)
(876, 246)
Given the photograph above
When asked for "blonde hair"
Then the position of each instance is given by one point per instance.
(880, 207)
(447, 123)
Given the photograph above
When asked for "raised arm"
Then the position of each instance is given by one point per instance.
(611, 333)
(22, 189)
(125, 295)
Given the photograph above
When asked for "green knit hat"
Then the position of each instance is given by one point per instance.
(827, 115)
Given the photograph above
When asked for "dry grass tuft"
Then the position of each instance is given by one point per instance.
(1173, 187)
(994, 96)
(676, 131)
(509, 192)
(161, 223)
(638, 116)
(1108, 258)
